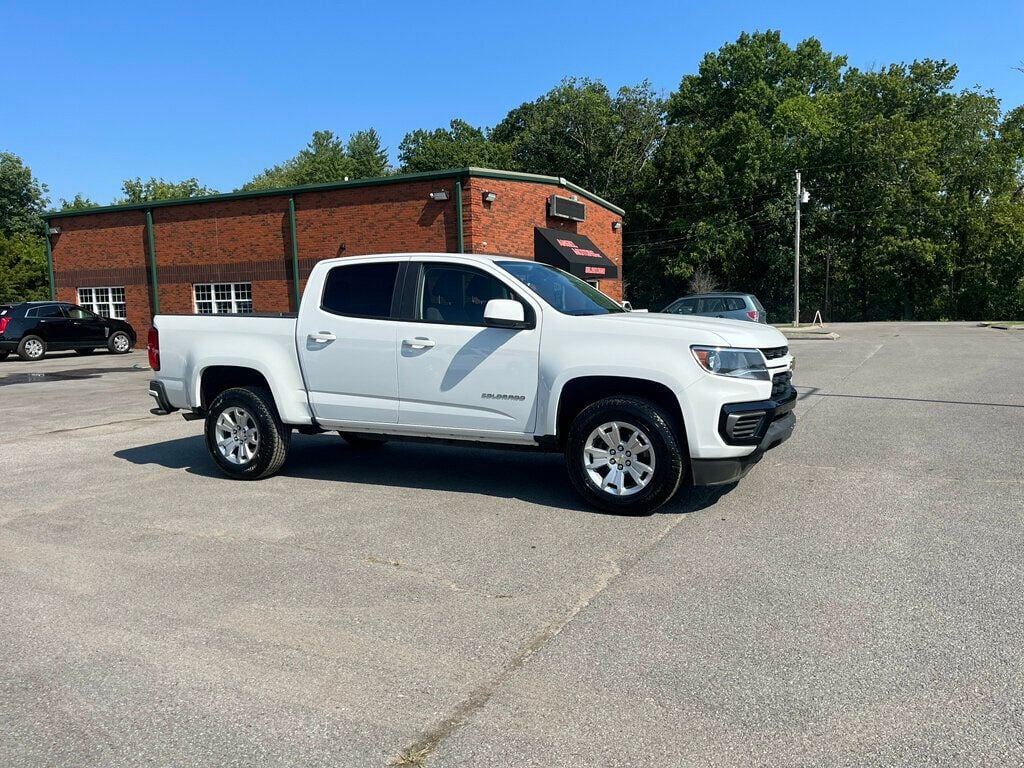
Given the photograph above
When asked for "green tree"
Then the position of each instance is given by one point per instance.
(79, 203)
(581, 131)
(459, 146)
(721, 195)
(23, 272)
(369, 158)
(323, 160)
(22, 197)
(138, 191)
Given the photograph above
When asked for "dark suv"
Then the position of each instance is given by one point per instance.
(33, 327)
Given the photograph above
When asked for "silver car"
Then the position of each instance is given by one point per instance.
(731, 306)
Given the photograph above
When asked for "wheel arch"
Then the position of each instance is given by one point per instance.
(215, 379)
(579, 392)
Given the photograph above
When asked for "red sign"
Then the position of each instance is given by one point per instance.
(595, 270)
(577, 250)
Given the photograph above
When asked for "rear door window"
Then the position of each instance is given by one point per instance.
(361, 290)
(51, 310)
(684, 307)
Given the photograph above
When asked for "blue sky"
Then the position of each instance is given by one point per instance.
(97, 92)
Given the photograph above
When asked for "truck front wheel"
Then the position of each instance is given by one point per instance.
(624, 456)
(244, 434)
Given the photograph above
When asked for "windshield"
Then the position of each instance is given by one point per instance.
(568, 294)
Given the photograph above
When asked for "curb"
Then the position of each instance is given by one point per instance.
(1002, 326)
(809, 336)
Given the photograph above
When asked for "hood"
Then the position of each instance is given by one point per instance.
(710, 330)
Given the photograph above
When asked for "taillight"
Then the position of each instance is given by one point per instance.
(753, 315)
(4, 322)
(153, 345)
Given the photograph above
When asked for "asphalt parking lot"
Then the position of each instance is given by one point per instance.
(855, 601)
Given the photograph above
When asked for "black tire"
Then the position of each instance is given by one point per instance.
(641, 496)
(28, 346)
(119, 343)
(84, 351)
(272, 437)
(362, 441)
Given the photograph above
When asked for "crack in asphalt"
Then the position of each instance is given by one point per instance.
(29, 435)
(430, 739)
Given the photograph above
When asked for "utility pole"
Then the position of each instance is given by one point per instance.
(802, 196)
(796, 258)
(828, 267)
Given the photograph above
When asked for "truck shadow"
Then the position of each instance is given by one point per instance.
(536, 478)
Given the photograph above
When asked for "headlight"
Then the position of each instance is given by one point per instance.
(737, 363)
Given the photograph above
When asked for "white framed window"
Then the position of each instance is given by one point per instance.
(107, 301)
(222, 298)
(593, 283)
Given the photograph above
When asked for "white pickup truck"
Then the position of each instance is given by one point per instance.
(480, 349)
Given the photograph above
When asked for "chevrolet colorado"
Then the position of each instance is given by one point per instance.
(494, 350)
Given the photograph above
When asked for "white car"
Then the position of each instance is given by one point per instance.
(494, 350)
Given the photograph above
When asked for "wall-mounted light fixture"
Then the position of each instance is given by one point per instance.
(439, 195)
(490, 197)
(53, 231)
(616, 225)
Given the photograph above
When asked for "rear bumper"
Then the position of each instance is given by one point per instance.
(158, 393)
(780, 421)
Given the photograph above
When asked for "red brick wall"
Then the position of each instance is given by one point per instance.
(506, 226)
(392, 218)
(105, 250)
(249, 240)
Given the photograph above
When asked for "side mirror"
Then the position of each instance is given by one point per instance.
(627, 306)
(504, 313)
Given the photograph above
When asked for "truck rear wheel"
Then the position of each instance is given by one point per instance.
(623, 455)
(244, 434)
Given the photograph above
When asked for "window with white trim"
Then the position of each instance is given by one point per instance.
(222, 298)
(106, 302)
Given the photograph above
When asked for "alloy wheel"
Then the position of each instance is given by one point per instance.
(33, 348)
(121, 342)
(237, 435)
(619, 458)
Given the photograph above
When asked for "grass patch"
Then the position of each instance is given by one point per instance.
(412, 757)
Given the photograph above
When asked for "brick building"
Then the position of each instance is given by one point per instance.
(241, 252)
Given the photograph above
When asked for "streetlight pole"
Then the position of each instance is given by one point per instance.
(796, 259)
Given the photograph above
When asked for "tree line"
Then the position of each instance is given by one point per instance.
(916, 189)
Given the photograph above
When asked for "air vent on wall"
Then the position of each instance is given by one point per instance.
(567, 208)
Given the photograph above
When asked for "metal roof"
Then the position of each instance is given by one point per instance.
(454, 173)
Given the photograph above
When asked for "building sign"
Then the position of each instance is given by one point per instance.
(576, 254)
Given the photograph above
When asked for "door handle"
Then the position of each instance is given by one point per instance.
(418, 343)
(322, 337)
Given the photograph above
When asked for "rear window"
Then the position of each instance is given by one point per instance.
(51, 310)
(361, 290)
(757, 304)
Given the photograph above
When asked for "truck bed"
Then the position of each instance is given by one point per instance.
(266, 342)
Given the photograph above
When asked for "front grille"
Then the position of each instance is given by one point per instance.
(782, 385)
(771, 353)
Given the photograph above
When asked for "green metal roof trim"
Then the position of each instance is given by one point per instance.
(455, 173)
